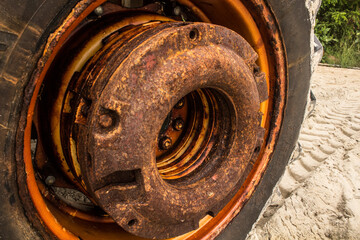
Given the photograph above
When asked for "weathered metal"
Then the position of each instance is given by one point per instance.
(90, 118)
(258, 25)
(178, 124)
(165, 143)
(131, 85)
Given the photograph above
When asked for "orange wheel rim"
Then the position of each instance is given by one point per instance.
(273, 66)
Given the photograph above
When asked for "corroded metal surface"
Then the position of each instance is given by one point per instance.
(269, 36)
(95, 119)
(130, 86)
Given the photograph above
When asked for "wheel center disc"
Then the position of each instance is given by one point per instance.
(166, 123)
(194, 125)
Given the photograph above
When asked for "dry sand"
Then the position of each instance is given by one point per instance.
(319, 195)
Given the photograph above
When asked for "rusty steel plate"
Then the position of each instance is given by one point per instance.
(119, 103)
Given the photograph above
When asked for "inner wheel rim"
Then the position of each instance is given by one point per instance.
(243, 196)
(190, 143)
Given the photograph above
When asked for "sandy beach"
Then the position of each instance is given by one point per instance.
(318, 196)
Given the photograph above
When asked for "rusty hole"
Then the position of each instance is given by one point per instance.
(257, 149)
(132, 222)
(203, 140)
(257, 69)
(194, 34)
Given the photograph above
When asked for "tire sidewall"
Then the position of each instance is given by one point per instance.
(24, 28)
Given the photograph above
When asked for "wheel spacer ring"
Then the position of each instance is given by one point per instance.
(138, 76)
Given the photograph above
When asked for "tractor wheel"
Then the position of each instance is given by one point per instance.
(147, 119)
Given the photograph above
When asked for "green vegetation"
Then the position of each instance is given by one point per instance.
(338, 29)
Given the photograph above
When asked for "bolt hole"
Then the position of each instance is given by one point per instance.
(132, 222)
(210, 213)
(194, 33)
(257, 149)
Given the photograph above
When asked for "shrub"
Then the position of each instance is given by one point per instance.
(338, 29)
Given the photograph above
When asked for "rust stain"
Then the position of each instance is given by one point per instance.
(221, 124)
(134, 81)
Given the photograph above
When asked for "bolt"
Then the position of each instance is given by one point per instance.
(99, 11)
(105, 121)
(180, 103)
(177, 11)
(165, 143)
(178, 124)
(50, 180)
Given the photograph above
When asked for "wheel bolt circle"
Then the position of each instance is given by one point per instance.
(165, 143)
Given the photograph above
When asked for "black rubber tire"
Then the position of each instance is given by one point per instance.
(24, 27)
(294, 20)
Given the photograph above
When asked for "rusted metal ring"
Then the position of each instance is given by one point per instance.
(275, 53)
(135, 82)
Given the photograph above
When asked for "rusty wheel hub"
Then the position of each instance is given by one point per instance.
(165, 120)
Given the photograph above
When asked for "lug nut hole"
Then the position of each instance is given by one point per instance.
(132, 222)
(194, 33)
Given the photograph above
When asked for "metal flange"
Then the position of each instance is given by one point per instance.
(128, 89)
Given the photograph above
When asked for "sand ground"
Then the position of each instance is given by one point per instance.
(319, 195)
